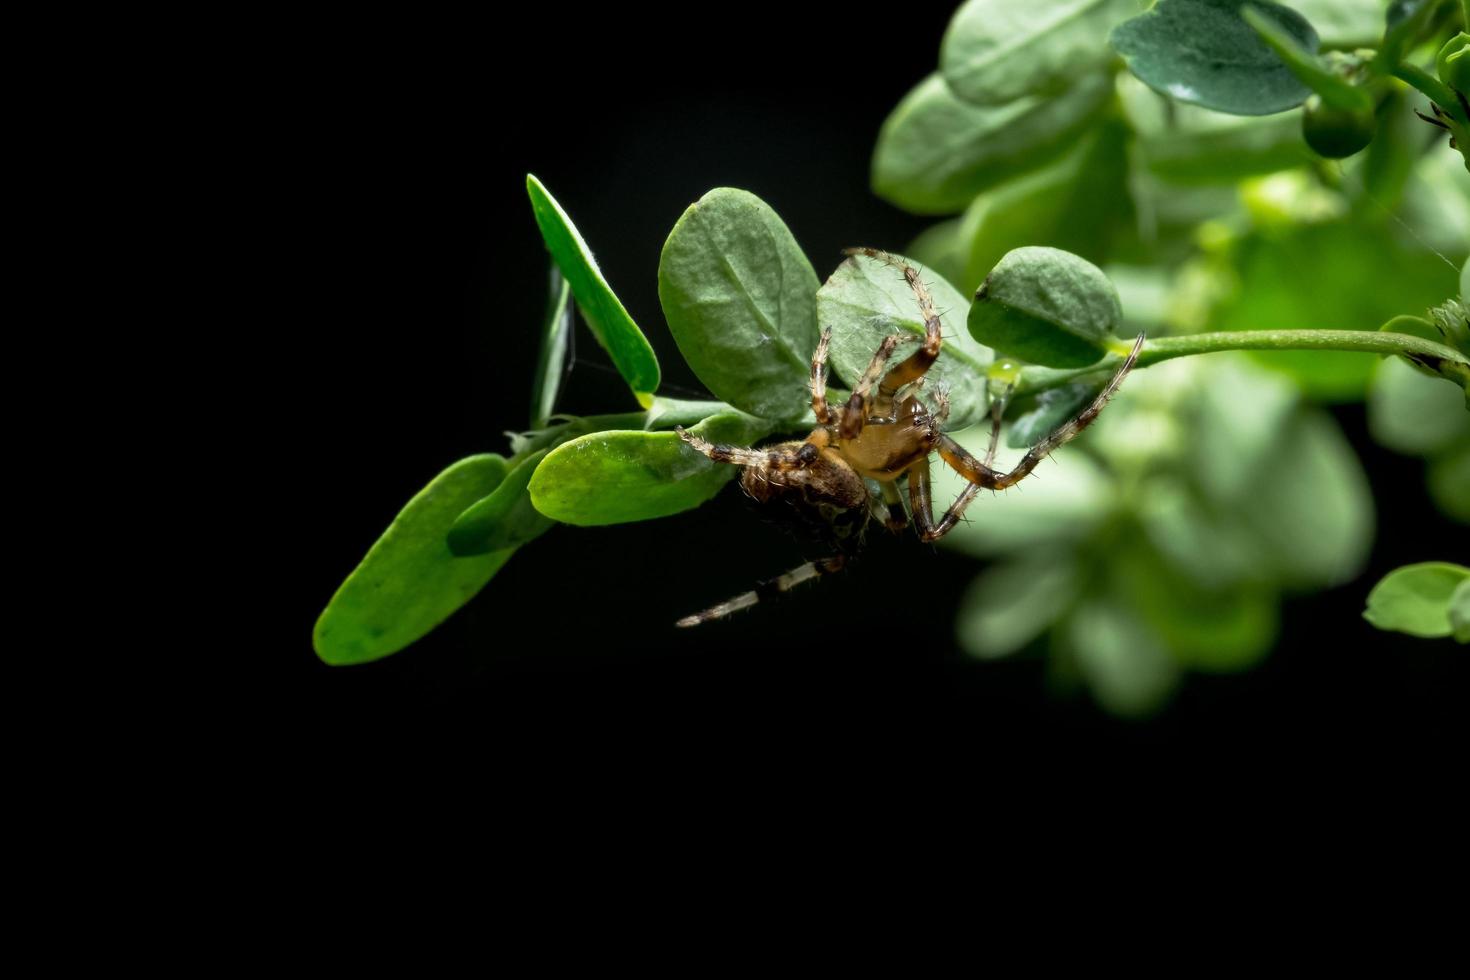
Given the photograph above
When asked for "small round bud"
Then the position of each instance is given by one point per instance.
(1336, 133)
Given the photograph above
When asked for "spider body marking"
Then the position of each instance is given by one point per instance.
(884, 432)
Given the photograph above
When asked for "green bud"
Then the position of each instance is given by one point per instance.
(1453, 63)
(1336, 133)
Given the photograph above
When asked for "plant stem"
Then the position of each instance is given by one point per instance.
(1037, 378)
(1441, 93)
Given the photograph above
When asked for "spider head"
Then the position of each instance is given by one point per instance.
(827, 496)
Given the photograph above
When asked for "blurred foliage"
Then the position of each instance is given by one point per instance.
(1083, 203)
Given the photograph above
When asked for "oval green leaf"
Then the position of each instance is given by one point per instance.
(740, 299)
(1415, 414)
(1047, 306)
(601, 309)
(1415, 599)
(1013, 603)
(616, 477)
(1124, 663)
(1202, 51)
(865, 300)
(936, 151)
(1465, 281)
(997, 50)
(410, 581)
(503, 519)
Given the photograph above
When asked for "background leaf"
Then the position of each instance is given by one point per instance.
(1081, 203)
(936, 151)
(621, 476)
(1127, 668)
(1201, 51)
(1415, 599)
(865, 300)
(1011, 604)
(504, 518)
(1184, 143)
(997, 50)
(1460, 612)
(1047, 306)
(601, 308)
(410, 582)
(1344, 23)
(1413, 413)
(740, 299)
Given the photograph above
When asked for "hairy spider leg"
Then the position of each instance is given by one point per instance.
(982, 477)
(918, 363)
(855, 413)
(772, 459)
(895, 519)
(766, 590)
(997, 409)
(819, 379)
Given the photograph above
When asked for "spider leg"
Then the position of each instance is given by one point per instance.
(895, 519)
(919, 362)
(856, 411)
(766, 590)
(997, 409)
(819, 379)
(769, 458)
(981, 476)
(920, 502)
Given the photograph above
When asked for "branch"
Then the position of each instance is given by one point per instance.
(1033, 379)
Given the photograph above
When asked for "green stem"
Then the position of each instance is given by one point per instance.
(1034, 379)
(1441, 93)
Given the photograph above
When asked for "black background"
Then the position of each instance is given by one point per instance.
(417, 282)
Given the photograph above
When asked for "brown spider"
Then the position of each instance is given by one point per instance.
(885, 437)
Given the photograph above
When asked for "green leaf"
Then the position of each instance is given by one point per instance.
(740, 298)
(1460, 612)
(601, 308)
(1228, 627)
(865, 300)
(1313, 513)
(1081, 204)
(1187, 144)
(1415, 599)
(502, 519)
(1048, 307)
(1405, 20)
(555, 336)
(936, 151)
(616, 477)
(943, 248)
(1415, 414)
(1344, 23)
(1465, 281)
(1039, 416)
(410, 582)
(995, 50)
(1334, 90)
(1449, 484)
(1201, 51)
(1127, 668)
(1244, 416)
(1012, 604)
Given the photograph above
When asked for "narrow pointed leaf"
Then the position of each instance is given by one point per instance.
(600, 306)
(410, 581)
(555, 336)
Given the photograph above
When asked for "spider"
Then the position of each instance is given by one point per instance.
(884, 436)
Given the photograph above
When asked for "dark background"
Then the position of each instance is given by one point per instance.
(417, 279)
